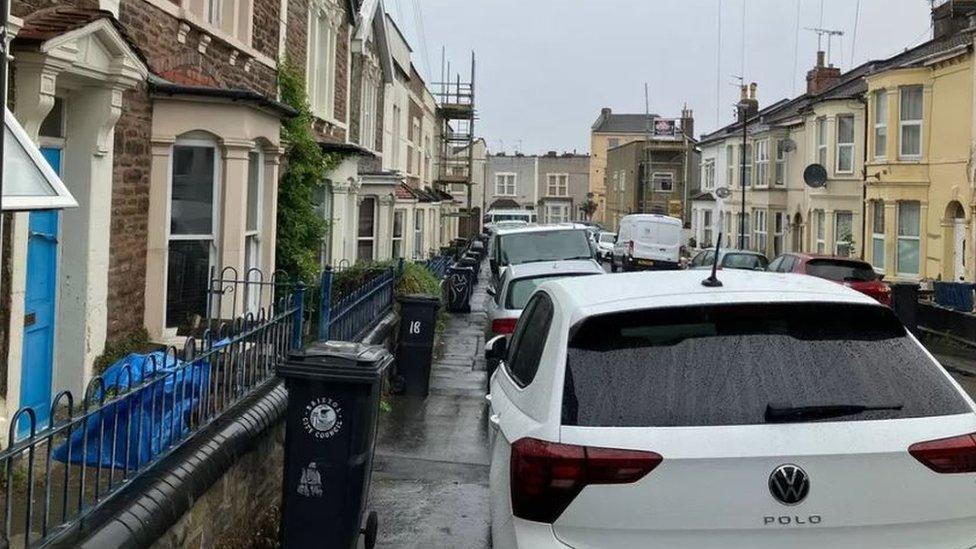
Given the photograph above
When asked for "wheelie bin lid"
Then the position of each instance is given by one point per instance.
(336, 360)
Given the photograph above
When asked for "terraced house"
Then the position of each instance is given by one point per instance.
(162, 118)
(897, 186)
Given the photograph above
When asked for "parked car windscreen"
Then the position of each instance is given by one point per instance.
(841, 270)
(528, 247)
(519, 291)
(722, 365)
(744, 261)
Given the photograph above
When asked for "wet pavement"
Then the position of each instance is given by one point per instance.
(430, 471)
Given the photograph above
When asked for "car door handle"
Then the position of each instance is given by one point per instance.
(495, 421)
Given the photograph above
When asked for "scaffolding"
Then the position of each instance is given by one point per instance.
(456, 111)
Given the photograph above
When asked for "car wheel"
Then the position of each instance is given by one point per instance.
(613, 265)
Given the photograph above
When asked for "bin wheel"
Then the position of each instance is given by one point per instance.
(397, 384)
(370, 529)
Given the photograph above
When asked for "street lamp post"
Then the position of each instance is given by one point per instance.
(743, 112)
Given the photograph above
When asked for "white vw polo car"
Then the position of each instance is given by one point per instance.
(648, 410)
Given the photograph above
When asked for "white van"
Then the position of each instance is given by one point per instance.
(647, 241)
(494, 216)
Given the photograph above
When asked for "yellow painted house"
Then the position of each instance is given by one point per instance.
(919, 185)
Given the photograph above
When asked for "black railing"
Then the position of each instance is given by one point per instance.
(354, 314)
(140, 410)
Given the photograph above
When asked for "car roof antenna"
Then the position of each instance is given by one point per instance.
(713, 281)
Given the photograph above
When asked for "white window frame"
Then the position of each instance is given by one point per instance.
(821, 136)
(398, 239)
(367, 125)
(707, 229)
(557, 184)
(903, 123)
(916, 238)
(562, 216)
(321, 61)
(844, 145)
(779, 232)
(762, 163)
(837, 241)
(371, 238)
(880, 111)
(878, 237)
(745, 229)
(730, 160)
(708, 174)
(216, 219)
(419, 225)
(747, 158)
(779, 174)
(657, 180)
(506, 179)
(761, 230)
(821, 239)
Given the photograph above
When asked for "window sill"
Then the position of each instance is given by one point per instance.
(186, 15)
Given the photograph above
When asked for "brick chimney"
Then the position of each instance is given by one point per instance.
(748, 103)
(688, 122)
(822, 77)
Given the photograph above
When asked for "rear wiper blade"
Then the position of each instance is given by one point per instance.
(779, 413)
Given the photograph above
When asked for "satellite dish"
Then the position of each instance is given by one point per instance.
(723, 192)
(789, 145)
(815, 176)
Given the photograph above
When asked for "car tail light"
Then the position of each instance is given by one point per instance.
(547, 476)
(501, 326)
(947, 455)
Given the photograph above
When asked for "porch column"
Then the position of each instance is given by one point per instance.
(340, 207)
(269, 215)
(156, 239)
(86, 232)
(829, 220)
(384, 228)
(233, 219)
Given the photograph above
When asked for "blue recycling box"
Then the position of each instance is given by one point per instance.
(330, 431)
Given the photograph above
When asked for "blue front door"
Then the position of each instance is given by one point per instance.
(39, 308)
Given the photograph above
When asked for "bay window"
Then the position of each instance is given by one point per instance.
(762, 163)
(192, 230)
(706, 229)
(368, 116)
(909, 232)
(761, 233)
(730, 165)
(747, 159)
(910, 122)
(708, 174)
(822, 141)
(780, 176)
(366, 230)
(744, 231)
(880, 124)
(418, 234)
(398, 216)
(779, 229)
(845, 143)
(843, 233)
(252, 227)
(821, 219)
(878, 234)
(557, 213)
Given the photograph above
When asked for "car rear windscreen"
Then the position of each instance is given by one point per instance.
(527, 247)
(744, 261)
(840, 270)
(722, 365)
(520, 290)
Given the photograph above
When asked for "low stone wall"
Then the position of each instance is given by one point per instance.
(947, 322)
(211, 491)
(233, 504)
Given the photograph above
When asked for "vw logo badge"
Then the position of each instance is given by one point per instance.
(789, 484)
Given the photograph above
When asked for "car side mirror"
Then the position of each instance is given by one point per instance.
(496, 348)
(491, 291)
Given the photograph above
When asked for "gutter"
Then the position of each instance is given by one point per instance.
(159, 86)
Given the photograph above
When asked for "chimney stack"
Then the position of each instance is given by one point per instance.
(749, 104)
(822, 77)
(949, 18)
(688, 122)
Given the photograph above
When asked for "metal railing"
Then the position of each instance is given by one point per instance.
(349, 318)
(138, 411)
(438, 265)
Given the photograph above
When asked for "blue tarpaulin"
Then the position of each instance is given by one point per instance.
(111, 439)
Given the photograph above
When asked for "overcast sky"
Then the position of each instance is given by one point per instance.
(546, 67)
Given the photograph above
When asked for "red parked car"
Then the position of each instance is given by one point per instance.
(854, 273)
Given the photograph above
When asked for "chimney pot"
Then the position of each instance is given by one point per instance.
(744, 92)
(606, 111)
(821, 56)
(752, 90)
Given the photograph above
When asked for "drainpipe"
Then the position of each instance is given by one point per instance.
(864, 179)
